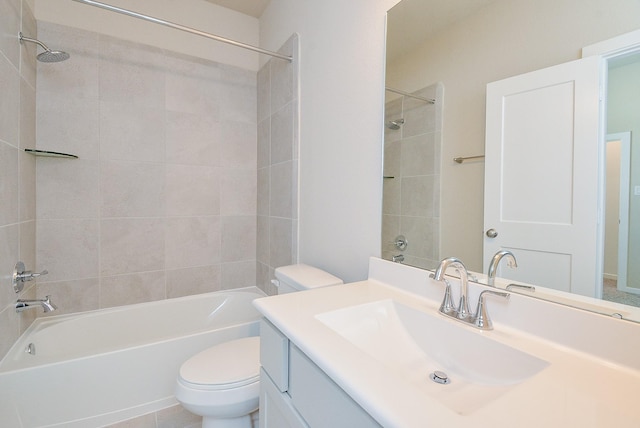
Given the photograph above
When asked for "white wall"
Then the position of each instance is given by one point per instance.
(197, 14)
(341, 120)
(506, 38)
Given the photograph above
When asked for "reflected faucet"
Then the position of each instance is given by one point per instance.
(463, 311)
(495, 261)
(46, 304)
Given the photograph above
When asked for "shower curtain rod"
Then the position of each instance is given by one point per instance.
(183, 28)
(407, 94)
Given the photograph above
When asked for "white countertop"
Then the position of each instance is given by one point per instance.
(576, 389)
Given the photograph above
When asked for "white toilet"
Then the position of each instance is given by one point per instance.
(222, 383)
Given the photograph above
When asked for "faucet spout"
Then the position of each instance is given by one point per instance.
(495, 261)
(463, 311)
(45, 304)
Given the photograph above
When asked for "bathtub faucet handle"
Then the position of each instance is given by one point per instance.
(21, 275)
(30, 276)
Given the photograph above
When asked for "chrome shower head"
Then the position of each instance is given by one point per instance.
(52, 56)
(395, 124)
(48, 55)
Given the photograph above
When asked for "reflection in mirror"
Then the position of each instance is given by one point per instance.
(622, 190)
(411, 176)
(468, 44)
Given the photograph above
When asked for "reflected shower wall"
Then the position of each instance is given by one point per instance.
(411, 193)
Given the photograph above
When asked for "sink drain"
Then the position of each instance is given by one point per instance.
(440, 377)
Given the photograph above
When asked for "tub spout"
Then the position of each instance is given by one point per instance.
(46, 304)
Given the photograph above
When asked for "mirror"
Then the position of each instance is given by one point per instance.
(459, 46)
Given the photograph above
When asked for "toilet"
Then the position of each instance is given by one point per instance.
(222, 383)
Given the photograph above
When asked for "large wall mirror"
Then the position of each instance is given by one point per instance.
(441, 54)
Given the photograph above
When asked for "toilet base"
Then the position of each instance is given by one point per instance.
(241, 422)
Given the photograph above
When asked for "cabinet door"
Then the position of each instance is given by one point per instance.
(541, 175)
(276, 410)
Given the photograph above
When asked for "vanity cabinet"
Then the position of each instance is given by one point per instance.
(294, 392)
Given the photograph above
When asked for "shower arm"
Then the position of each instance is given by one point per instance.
(184, 28)
(28, 39)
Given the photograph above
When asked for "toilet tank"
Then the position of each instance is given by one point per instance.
(303, 277)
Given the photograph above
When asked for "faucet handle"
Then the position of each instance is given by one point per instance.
(21, 275)
(447, 306)
(482, 319)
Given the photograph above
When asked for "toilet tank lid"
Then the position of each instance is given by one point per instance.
(306, 277)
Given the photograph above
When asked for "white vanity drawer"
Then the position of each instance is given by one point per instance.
(274, 354)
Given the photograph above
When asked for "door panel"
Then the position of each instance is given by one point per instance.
(541, 175)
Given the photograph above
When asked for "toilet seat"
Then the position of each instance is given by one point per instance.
(229, 365)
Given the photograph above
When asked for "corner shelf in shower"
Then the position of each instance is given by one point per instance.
(47, 153)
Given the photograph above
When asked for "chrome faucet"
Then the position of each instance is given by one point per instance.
(462, 312)
(46, 304)
(495, 261)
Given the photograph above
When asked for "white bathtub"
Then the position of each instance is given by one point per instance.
(101, 367)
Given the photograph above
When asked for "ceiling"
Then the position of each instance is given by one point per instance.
(248, 7)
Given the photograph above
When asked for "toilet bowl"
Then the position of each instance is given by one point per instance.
(222, 383)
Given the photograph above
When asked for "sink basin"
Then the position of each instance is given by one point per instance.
(413, 344)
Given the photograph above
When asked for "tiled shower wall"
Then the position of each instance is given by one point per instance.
(162, 200)
(277, 165)
(17, 168)
(411, 194)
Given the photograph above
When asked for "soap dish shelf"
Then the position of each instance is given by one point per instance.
(50, 154)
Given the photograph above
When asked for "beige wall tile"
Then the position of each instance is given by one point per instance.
(238, 145)
(280, 192)
(68, 248)
(195, 280)
(131, 132)
(70, 296)
(9, 176)
(68, 124)
(67, 188)
(10, 106)
(131, 189)
(9, 250)
(238, 192)
(129, 245)
(192, 241)
(192, 190)
(132, 288)
(282, 130)
(192, 139)
(280, 242)
(238, 274)
(264, 143)
(10, 12)
(238, 238)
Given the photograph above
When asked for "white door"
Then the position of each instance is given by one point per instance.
(541, 176)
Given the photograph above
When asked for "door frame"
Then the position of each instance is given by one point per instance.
(623, 227)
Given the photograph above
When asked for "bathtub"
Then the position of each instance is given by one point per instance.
(97, 368)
